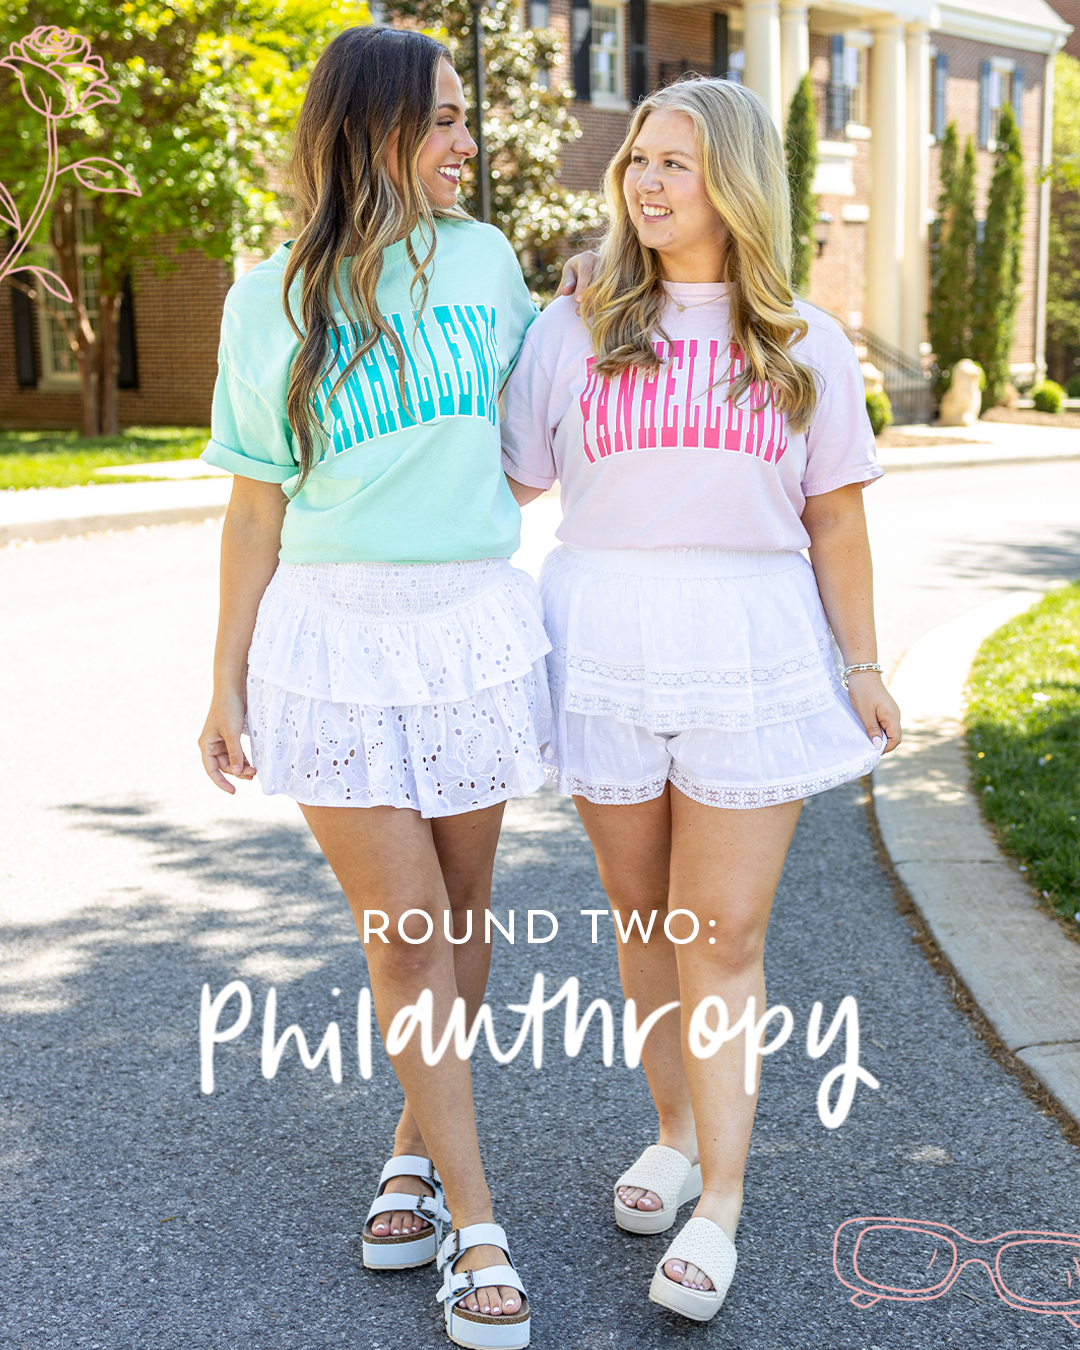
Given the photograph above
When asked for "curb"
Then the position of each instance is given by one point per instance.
(63, 528)
(958, 460)
(1022, 971)
(40, 514)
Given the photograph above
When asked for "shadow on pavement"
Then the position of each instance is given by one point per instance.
(142, 1214)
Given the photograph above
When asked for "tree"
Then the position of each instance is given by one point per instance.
(952, 258)
(997, 266)
(207, 92)
(800, 150)
(1063, 291)
(526, 127)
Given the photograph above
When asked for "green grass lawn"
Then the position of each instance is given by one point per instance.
(1023, 723)
(30, 459)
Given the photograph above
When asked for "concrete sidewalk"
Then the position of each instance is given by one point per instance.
(53, 513)
(982, 444)
(1023, 972)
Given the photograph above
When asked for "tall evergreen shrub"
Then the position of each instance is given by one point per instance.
(952, 258)
(1063, 297)
(997, 268)
(800, 149)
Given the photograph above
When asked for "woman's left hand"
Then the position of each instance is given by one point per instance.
(576, 275)
(875, 707)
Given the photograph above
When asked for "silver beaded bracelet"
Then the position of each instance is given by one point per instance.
(851, 670)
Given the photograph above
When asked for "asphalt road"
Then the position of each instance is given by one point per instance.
(140, 1213)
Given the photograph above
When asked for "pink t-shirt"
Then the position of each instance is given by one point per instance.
(664, 460)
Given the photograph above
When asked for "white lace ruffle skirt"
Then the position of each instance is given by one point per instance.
(726, 654)
(419, 686)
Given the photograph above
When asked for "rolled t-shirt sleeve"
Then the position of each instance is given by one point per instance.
(528, 454)
(840, 447)
(247, 436)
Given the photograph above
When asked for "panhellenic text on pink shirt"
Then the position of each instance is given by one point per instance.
(665, 409)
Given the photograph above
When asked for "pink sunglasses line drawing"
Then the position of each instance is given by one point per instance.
(912, 1261)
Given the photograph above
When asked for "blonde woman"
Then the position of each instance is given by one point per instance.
(705, 427)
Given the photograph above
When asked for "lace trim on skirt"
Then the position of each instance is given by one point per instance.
(717, 673)
(667, 652)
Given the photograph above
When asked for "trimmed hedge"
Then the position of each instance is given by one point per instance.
(879, 411)
(1048, 397)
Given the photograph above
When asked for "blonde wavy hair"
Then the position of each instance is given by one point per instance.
(746, 183)
(367, 84)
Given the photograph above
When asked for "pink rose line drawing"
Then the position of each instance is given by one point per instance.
(59, 79)
(885, 1258)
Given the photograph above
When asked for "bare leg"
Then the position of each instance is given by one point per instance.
(465, 846)
(633, 847)
(725, 866)
(388, 859)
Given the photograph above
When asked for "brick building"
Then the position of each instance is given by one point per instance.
(168, 350)
(887, 81)
(1069, 10)
(888, 78)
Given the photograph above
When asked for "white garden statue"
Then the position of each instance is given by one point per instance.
(963, 398)
(873, 380)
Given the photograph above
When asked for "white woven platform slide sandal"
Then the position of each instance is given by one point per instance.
(402, 1251)
(477, 1330)
(701, 1243)
(667, 1172)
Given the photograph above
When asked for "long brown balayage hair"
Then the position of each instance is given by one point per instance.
(377, 80)
(746, 182)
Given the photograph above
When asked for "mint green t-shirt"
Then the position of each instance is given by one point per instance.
(414, 482)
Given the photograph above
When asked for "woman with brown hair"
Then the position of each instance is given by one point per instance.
(705, 427)
(374, 642)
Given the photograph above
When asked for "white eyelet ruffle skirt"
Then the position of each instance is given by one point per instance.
(723, 657)
(420, 686)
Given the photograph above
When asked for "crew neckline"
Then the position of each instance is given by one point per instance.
(391, 253)
(699, 291)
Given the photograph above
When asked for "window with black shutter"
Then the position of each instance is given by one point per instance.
(984, 105)
(720, 46)
(581, 42)
(941, 76)
(22, 317)
(836, 111)
(1018, 96)
(639, 52)
(128, 373)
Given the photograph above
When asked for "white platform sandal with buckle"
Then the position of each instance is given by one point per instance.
(402, 1251)
(703, 1244)
(477, 1330)
(671, 1176)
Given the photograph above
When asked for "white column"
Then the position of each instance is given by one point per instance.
(917, 189)
(885, 233)
(761, 31)
(794, 49)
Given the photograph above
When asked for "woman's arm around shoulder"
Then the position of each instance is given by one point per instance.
(250, 542)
